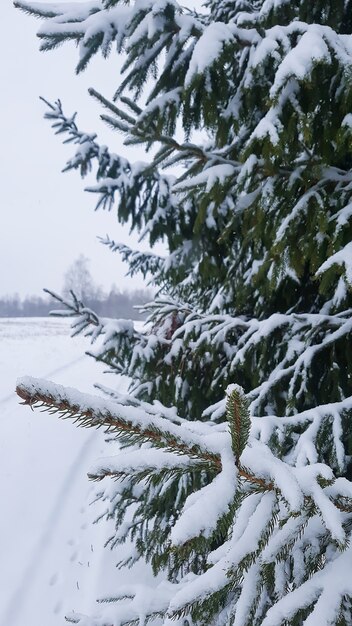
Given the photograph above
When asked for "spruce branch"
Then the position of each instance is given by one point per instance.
(73, 308)
(38, 10)
(237, 414)
(92, 412)
(111, 106)
(144, 262)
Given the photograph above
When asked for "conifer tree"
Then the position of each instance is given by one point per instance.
(244, 107)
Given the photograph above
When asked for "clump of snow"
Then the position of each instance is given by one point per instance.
(233, 387)
(342, 257)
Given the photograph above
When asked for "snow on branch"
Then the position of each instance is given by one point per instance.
(343, 258)
(181, 439)
(324, 591)
(258, 502)
(311, 422)
(92, 411)
(56, 9)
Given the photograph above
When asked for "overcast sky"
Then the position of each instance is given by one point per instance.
(46, 219)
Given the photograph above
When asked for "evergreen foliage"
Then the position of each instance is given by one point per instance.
(245, 109)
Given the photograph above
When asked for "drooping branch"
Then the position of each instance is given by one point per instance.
(125, 421)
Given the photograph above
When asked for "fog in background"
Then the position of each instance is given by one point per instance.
(79, 286)
(46, 219)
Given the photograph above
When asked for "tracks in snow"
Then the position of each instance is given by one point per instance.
(14, 611)
(58, 370)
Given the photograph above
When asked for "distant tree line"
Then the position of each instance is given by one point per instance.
(78, 280)
(115, 304)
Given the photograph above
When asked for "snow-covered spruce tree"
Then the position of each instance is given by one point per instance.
(245, 106)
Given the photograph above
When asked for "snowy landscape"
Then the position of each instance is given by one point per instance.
(51, 554)
(226, 468)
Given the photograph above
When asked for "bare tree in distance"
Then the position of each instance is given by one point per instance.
(79, 280)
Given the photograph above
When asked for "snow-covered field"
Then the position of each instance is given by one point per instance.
(50, 553)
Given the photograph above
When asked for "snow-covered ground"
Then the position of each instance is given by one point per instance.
(51, 556)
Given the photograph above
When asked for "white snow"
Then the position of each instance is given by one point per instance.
(203, 509)
(342, 257)
(208, 48)
(328, 585)
(51, 554)
(230, 389)
(59, 554)
(299, 62)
